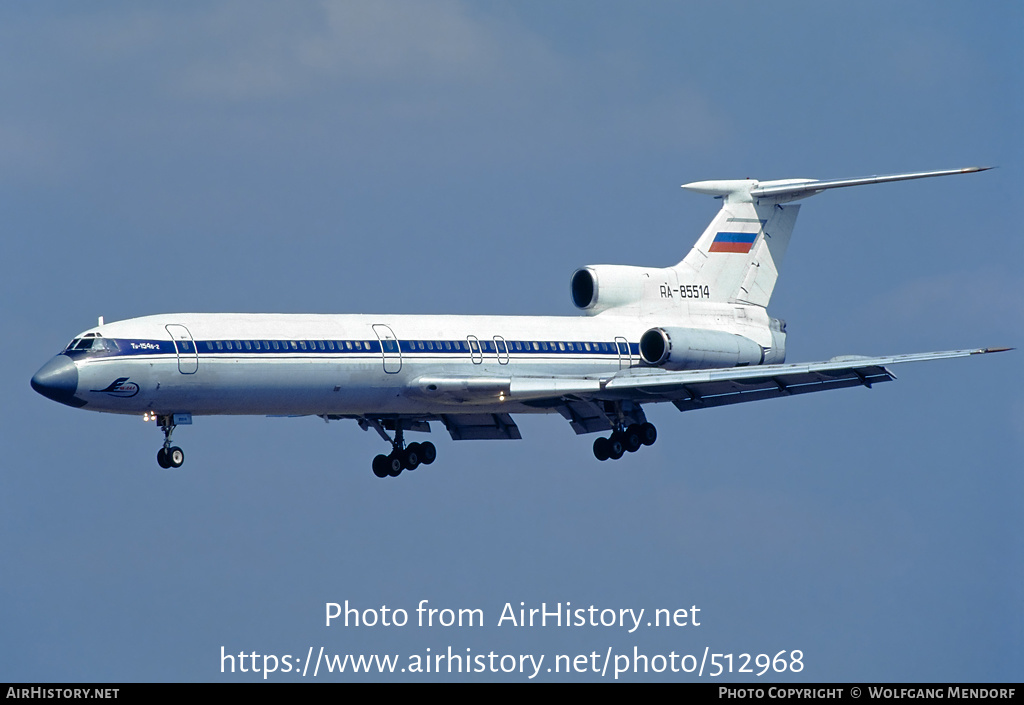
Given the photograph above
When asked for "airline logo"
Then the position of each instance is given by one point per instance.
(733, 242)
(120, 387)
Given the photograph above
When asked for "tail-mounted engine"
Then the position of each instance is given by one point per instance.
(599, 287)
(696, 349)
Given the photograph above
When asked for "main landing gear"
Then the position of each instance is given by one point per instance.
(402, 457)
(623, 440)
(408, 458)
(169, 456)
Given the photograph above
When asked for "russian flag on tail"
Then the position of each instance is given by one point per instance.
(733, 242)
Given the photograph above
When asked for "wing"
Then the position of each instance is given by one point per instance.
(707, 388)
(591, 403)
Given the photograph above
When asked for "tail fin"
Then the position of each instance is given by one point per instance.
(739, 255)
(737, 259)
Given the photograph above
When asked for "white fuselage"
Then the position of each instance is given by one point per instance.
(348, 365)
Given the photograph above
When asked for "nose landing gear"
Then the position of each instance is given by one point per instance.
(169, 456)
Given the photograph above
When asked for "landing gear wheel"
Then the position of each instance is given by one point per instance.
(602, 448)
(411, 456)
(428, 453)
(395, 464)
(631, 439)
(169, 456)
(648, 434)
(615, 446)
(380, 466)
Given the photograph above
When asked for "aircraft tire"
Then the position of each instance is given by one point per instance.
(411, 456)
(395, 464)
(380, 466)
(615, 447)
(601, 448)
(176, 457)
(648, 434)
(631, 438)
(161, 458)
(428, 453)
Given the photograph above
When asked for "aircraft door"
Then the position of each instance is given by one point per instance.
(502, 349)
(622, 345)
(475, 353)
(188, 356)
(390, 350)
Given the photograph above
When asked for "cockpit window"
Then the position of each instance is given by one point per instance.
(92, 346)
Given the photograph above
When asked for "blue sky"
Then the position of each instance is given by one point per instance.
(466, 157)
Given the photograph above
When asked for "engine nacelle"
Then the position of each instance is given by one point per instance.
(776, 355)
(599, 287)
(697, 349)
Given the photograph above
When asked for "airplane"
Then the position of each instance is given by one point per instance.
(696, 334)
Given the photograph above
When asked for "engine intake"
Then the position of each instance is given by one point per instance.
(696, 349)
(599, 287)
(583, 286)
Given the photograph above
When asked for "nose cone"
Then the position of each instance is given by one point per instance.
(58, 380)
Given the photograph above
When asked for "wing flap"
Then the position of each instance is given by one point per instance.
(705, 395)
(467, 427)
(584, 416)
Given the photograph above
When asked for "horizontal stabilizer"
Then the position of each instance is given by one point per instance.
(739, 190)
(801, 190)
